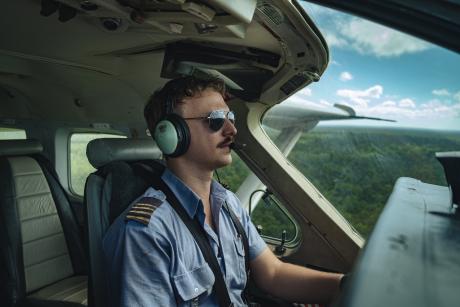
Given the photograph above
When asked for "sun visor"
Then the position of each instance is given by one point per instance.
(244, 70)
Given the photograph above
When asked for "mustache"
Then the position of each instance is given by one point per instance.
(226, 142)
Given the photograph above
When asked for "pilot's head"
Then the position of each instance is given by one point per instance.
(190, 120)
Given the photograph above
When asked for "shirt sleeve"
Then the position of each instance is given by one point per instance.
(144, 271)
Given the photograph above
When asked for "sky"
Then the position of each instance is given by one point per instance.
(384, 73)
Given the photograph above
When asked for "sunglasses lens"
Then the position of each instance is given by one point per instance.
(216, 123)
(217, 119)
(231, 117)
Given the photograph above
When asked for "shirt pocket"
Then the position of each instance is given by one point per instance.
(192, 284)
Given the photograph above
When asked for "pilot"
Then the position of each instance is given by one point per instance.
(152, 257)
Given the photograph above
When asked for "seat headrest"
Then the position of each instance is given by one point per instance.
(105, 150)
(20, 147)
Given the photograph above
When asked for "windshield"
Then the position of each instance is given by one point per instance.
(409, 87)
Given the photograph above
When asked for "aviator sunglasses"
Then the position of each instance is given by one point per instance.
(216, 119)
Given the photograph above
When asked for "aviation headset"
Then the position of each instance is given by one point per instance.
(171, 133)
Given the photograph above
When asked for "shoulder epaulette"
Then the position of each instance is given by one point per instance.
(143, 210)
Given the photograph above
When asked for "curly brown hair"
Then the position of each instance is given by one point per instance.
(173, 92)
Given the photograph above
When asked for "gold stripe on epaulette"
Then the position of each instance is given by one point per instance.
(140, 219)
(145, 207)
(149, 211)
(143, 213)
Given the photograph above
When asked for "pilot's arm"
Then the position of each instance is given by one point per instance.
(292, 282)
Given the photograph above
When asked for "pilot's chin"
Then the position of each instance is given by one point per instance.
(225, 162)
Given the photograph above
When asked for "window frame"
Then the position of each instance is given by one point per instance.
(295, 241)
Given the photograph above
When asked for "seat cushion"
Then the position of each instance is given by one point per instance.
(73, 289)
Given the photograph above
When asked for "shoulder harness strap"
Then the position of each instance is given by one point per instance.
(244, 237)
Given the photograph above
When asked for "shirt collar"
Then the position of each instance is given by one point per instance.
(218, 191)
(189, 199)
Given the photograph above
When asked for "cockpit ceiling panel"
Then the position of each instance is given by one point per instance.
(121, 65)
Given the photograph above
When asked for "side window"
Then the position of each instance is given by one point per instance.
(80, 167)
(267, 212)
(12, 134)
(272, 220)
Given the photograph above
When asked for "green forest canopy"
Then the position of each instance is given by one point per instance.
(356, 168)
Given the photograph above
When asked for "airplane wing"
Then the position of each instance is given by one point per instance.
(292, 114)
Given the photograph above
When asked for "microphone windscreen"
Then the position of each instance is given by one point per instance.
(237, 146)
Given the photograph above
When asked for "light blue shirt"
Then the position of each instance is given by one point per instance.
(160, 264)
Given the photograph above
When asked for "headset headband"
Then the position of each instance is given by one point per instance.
(168, 106)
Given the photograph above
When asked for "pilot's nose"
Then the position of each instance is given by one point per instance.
(229, 128)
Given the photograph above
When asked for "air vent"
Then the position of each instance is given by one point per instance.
(271, 12)
(295, 83)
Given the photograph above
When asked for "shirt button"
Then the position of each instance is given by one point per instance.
(196, 289)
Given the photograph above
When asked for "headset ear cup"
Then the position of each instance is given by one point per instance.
(172, 135)
(183, 134)
(165, 135)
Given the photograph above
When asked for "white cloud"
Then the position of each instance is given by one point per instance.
(407, 103)
(361, 98)
(346, 76)
(457, 96)
(333, 40)
(426, 112)
(370, 38)
(334, 62)
(441, 92)
(348, 32)
(372, 102)
(435, 112)
(388, 103)
(304, 92)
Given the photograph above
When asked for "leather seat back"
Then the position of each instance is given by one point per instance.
(123, 170)
(37, 223)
